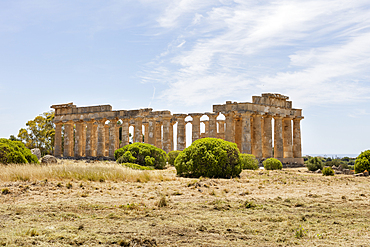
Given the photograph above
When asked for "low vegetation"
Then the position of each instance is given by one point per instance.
(272, 164)
(15, 152)
(172, 156)
(327, 171)
(249, 161)
(363, 162)
(209, 157)
(314, 164)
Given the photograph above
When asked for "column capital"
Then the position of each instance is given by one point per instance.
(277, 116)
(196, 114)
(298, 118)
(246, 113)
(67, 121)
(101, 120)
(57, 122)
(267, 115)
(212, 114)
(180, 115)
(288, 117)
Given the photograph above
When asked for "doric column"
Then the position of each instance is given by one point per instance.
(68, 139)
(112, 137)
(229, 132)
(181, 131)
(151, 131)
(94, 139)
(297, 146)
(221, 129)
(106, 134)
(246, 133)
(267, 137)
(166, 143)
(83, 139)
(58, 139)
(171, 135)
(78, 139)
(101, 138)
(158, 134)
(257, 136)
(195, 125)
(125, 132)
(287, 137)
(89, 137)
(278, 137)
(138, 129)
(212, 126)
(146, 131)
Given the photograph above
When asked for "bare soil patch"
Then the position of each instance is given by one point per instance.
(261, 208)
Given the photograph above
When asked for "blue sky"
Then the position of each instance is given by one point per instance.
(187, 55)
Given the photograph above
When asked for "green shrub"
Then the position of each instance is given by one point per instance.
(314, 164)
(137, 167)
(272, 164)
(172, 156)
(209, 157)
(249, 161)
(142, 154)
(327, 171)
(334, 162)
(15, 152)
(362, 162)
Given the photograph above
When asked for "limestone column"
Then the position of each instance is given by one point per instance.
(112, 137)
(125, 132)
(297, 146)
(94, 139)
(58, 139)
(146, 131)
(238, 131)
(171, 135)
(89, 137)
(78, 139)
(195, 125)
(166, 142)
(101, 138)
(267, 137)
(106, 134)
(257, 136)
(83, 139)
(278, 137)
(158, 134)
(246, 133)
(287, 137)
(181, 131)
(151, 131)
(116, 133)
(212, 126)
(138, 130)
(229, 132)
(221, 129)
(68, 139)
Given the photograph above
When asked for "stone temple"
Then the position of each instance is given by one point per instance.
(93, 131)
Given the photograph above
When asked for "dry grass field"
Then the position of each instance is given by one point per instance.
(104, 204)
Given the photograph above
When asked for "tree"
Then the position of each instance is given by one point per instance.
(362, 162)
(39, 133)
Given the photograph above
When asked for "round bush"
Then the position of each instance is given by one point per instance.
(209, 157)
(172, 156)
(142, 154)
(15, 152)
(272, 164)
(362, 162)
(314, 164)
(327, 171)
(249, 161)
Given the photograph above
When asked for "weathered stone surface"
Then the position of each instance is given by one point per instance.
(49, 159)
(36, 152)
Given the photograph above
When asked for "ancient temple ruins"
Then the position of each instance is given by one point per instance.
(94, 131)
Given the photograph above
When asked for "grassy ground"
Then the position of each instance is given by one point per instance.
(103, 204)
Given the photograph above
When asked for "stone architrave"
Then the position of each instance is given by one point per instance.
(257, 136)
(267, 136)
(229, 131)
(112, 137)
(278, 137)
(158, 134)
(297, 146)
(78, 139)
(195, 125)
(287, 137)
(181, 131)
(212, 125)
(101, 138)
(89, 141)
(151, 131)
(166, 142)
(125, 132)
(68, 139)
(58, 139)
(246, 133)
(138, 129)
